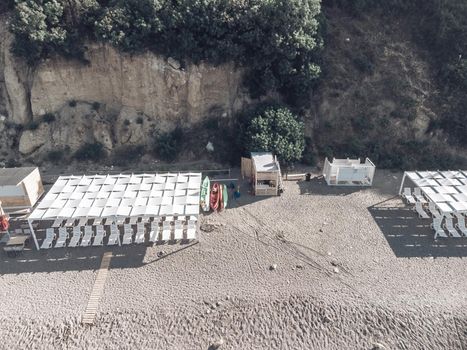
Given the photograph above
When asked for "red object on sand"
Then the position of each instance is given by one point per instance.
(4, 224)
(215, 196)
(221, 200)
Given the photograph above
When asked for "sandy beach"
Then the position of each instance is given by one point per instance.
(354, 269)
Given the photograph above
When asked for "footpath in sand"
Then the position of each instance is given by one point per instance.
(355, 269)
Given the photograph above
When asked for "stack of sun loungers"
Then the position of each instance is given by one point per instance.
(444, 224)
(154, 230)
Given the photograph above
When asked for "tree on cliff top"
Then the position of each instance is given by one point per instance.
(279, 131)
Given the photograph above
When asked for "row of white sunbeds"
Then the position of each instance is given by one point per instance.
(448, 229)
(157, 233)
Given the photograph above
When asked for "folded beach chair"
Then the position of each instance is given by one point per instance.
(62, 237)
(127, 234)
(83, 222)
(100, 234)
(140, 232)
(407, 194)
(154, 234)
(437, 227)
(57, 223)
(70, 222)
(419, 196)
(166, 228)
(86, 241)
(178, 230)
(191, 230)
(77, 234)
(133, 220)
(421, 212)
(434, 211)
(97, 221)
(451, 229)
(114, 237)
(461, 224)
(49, 238)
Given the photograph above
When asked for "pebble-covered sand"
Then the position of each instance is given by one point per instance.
(316, 268)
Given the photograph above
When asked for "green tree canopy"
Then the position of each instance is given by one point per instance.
(279, 131)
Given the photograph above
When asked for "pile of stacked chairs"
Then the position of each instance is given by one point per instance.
(120, 231)
(444, 225)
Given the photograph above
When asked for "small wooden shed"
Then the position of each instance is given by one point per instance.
(20, 188)
(264, 171)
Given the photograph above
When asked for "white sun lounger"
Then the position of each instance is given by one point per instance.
(127, 234)
(86, 241)
(62, 237)
(434, 211)
(191, 230)
(421, 212)
(49, 238)
(419, 196)
(407, 194)
(140, 232)
(100, 234)
(154, 234)
(114, 237)
(451, 229)
(121, 220)
(437, 227)
(77, 234)
(461, 224)
(178, 230)
(166, 228)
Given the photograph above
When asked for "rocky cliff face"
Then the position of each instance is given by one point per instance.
(114, 99)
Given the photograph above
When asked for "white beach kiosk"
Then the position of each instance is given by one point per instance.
(166, 206)
(349, 172)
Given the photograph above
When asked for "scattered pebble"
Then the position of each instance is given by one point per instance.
(378, 346)
(218, 303)
(320, 230)
(336, 270)
(273, 267)
(334, 263)
(227, 297)
(213, 306)
(160, 254)
(299, 266)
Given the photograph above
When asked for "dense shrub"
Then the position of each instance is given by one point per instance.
(168, 144)
(33, 125)
(90, 151)
(277, 40)
(96, 106)
(55, 156)
(124, 155)
(279, 131)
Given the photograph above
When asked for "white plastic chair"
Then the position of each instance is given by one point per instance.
(127, 234)
(140, 232)
(114, 237)
(407, 194)
(100, 234)
(77, 234)
(86, 241)
(166, 228)
(421, 212)
(191, 230)
(451, 229)
(49, 238)
(62, 237)
(437, 227)
(461, 224)
(178, 230)
(154, 234)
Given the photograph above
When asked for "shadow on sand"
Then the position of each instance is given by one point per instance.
(82, 259)
(318, 186)
(409, 236)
